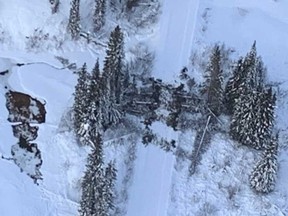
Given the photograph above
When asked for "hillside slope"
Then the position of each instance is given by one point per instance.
(153, 182)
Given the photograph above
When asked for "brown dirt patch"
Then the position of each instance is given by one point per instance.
(23, 108)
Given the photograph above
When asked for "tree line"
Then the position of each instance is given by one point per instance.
(250, 101)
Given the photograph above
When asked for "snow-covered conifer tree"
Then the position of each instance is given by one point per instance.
(90, 124)
(109, 190)
(242, 125)
(95, 84)
(99, 14)
(265, 117)
(213, 84)
(245, 77)
(74, 19)
(93, 201)
(114, 65)
(110, 87)
(246, 92)
(263, 177)
(253, 118)
(102, 112)
(231, 90)
(81, 100)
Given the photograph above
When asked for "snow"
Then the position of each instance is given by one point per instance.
(156, 182)
(19, 194)
(175, 38)
(150, 190)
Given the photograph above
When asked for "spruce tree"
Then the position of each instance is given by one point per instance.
(99, 14)
(231, 92)
(263, 176)
(250, 66)
(242, 125)
(103, 111)
(213, 85)
(114, 66)
(81, 99)
(244, 78)
(90, 124)
(74, 19)
(245, 97)
(93, 201)
(253, 118)
(264, 117)
(260, 74)
(95, 84)
(111, 85)
(110, 179)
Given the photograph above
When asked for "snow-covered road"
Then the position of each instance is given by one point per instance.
(175, 37)
(150, 192)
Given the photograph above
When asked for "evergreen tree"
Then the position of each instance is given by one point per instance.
(95, 84)
(263, 176)
(74, 19)
(250, 66)
(114, 66)
(247, 94)
(93, 201)
(90, 124)
(109, 190)
(265, 116)
(245, 78)
(102, 112)
(242, 125)
(213, 85)
(260, 74)
(253, 118)
(231, 89)
(99, 14)
(81, 99)
(106, 110)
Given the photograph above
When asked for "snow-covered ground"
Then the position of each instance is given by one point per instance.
(160, 184)
(57, 166)
(149, 194)
(174, 40)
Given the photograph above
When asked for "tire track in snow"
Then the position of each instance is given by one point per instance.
(122, 196)
(179, 57)
(176, 37)
(150, 192)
